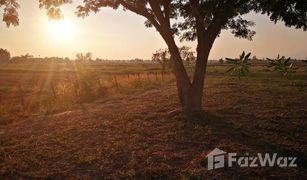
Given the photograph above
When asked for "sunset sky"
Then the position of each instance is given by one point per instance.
(122, 35)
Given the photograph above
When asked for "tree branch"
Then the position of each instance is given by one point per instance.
(154, 4)
(221, 15)
(167, 11)
(143, 12)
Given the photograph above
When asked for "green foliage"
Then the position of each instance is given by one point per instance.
(240, 66)
(282, 65)
(291, 12)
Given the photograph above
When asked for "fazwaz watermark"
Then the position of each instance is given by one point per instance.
(220, 159)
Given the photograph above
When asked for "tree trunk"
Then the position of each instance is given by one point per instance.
(193, 95)
(190, 93)
(193, 102)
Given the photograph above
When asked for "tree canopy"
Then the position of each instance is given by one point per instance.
(10, 14)
(225, 13)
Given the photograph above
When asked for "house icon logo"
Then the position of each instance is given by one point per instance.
(216, 159)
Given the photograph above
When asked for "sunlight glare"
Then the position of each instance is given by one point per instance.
(62, 30)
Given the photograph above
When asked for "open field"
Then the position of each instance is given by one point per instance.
(125, 125)
(28, 89)
(101, 98)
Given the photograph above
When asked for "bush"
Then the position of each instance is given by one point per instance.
(240, 66)
(282, 65)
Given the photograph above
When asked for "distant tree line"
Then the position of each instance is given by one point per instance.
(161, 56)
(5, 57)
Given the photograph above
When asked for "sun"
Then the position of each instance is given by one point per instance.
(62, 30)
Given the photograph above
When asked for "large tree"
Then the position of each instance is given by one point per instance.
(200, 20)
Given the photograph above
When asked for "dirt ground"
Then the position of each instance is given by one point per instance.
(140, 137)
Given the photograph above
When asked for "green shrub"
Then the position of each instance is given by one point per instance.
(240, 66)
(282, 65)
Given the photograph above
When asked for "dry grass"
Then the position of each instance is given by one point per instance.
(133, 136)
(57, 91)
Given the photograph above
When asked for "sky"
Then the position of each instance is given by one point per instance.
(111, 34)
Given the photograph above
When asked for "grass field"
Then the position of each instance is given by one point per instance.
(120, 121)
(28, 89)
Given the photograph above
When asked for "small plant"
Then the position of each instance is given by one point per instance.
(240, 66)
(282, 65)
